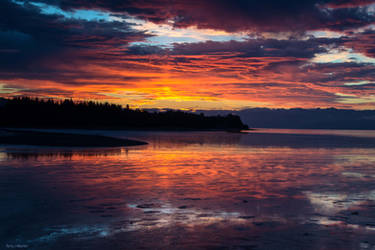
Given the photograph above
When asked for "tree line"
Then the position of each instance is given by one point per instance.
(49, 113)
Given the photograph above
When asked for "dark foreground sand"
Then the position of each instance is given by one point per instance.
(17, 137)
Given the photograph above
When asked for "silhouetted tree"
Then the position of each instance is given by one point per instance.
(34, 112)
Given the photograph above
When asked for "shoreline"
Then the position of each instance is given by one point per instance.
(59, 139)
(146, 130)
(164, 129)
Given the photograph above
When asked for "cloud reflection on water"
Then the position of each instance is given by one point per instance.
(216, 187)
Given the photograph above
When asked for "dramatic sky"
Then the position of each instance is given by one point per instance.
(191, 54)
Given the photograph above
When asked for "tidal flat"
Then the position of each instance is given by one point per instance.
(269, 189)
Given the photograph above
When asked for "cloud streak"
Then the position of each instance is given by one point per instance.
(278, 64)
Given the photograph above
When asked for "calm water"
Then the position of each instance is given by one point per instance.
(273, 189)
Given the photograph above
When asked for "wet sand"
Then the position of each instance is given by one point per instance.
(24, 137)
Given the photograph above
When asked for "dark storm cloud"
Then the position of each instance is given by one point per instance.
(229, 15)
(363, 42)
(23, 27)
(258, 47)
(27, 19)
(53, 55)
(38, 46)
(338, 73)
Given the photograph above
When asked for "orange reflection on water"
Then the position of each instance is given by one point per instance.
(215, 182)
(199, 170)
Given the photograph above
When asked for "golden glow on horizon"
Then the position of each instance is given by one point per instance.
(212, 81)
(176, 55)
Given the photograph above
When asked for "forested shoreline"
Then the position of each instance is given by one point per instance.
(48, 113)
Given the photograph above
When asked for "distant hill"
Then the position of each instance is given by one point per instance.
(299, 118)
(39, 113)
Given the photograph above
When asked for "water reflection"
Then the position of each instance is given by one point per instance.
(217, 191)
(24, 154)
(259, 138)
(342, 132)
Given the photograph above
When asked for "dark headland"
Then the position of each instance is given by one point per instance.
(25, 112)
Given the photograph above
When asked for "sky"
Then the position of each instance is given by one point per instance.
(191, 54)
